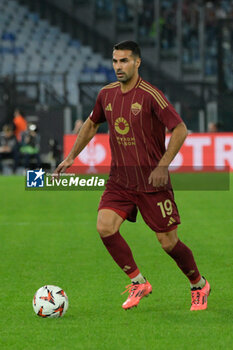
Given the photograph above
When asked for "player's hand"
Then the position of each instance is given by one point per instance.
(65, 164)
(159, 176)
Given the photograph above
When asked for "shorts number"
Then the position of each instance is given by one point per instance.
(166, 207)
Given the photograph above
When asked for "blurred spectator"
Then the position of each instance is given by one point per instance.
(20, 123)
(191, 14)
(55, 153)
(215, 127)
(77, 126)
(122, 11)
(30, 147)
(146, 19)
(8, 147)
(168, 30)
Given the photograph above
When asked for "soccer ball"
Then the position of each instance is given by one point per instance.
(50, 301)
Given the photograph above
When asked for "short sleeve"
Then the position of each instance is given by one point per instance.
(165, 111)
(97, 115)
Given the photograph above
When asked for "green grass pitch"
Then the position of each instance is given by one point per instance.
(51, 238)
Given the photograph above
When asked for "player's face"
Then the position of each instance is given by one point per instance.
(125, 65)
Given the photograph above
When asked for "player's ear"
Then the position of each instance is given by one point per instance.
(138, 62)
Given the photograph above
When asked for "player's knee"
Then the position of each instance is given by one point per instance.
(167, 247)
(105, 228)
(167, 244)
(108, 222)
(168, 240)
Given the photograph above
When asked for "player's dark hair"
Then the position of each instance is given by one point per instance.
(128, 45)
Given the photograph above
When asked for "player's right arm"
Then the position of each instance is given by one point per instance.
(86, 133)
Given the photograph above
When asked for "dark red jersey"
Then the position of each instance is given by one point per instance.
(137, 120)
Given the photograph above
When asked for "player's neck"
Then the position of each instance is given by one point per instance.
(129, 85)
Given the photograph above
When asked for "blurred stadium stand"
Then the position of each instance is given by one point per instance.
(56, 54)
(183, 53)
(33, 50)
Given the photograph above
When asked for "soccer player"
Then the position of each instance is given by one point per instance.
(137, 114)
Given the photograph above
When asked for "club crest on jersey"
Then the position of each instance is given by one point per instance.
(136, 108)
(121, 126)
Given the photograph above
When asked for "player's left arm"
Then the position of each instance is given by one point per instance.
(159, 176)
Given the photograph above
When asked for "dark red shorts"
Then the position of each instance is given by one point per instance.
(158, 209)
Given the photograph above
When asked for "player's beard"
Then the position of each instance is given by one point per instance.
(125, 78)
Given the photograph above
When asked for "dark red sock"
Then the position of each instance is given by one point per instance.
(121, 253)
(183, 256)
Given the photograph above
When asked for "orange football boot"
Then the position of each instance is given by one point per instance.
(136, 292)
(199, 297)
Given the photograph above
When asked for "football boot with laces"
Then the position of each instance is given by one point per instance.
(136, 292)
